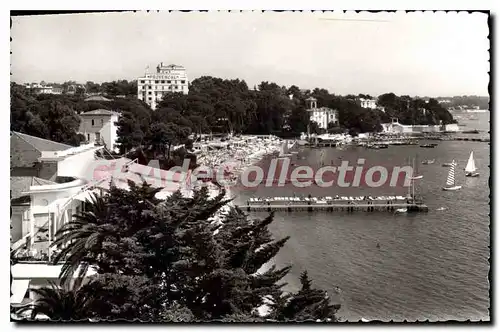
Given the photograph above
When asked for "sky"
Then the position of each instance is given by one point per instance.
(418, 54)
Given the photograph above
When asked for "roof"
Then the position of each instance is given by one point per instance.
(97, 98)
(100, 112)
(40, 144)
(20, 184)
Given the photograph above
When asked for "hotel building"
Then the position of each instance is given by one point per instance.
(153, 86)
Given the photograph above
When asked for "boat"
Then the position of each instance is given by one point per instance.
(364, 320)
(429, 146)
(450, 180)
(284, 150)
(441, 209)
(470, 169)
(428, 161)
(446, 164)
(403, 210)
(471, 131)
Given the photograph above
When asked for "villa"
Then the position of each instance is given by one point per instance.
(99, 127)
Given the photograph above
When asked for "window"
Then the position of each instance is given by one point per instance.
(102, 122)
(142, 81)
(162, 81)
(183, 81)
(156, 81)
(97, 137)
(88, 137)
(169, 82)
(93, 122)
(149, 92)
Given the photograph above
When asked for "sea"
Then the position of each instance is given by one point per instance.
(395, 267)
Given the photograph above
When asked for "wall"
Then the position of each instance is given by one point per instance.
(48, 170)
(86, 126)
(109, 133)
(16, 221)
(43, 203)
(78, 165)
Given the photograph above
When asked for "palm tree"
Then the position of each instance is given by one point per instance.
(81, 238)
(60, 303)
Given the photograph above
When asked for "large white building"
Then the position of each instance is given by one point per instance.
(152, 86)
(99, 126)
(322, 115)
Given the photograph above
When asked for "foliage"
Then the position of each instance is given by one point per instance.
(168, 260)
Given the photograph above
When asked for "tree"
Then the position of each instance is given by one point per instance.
(60, 302)
(170, 260)
(308, 304)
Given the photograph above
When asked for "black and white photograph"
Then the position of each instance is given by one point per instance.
(321, 167)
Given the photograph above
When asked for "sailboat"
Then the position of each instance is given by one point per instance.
(470, 169)
(284, 150)
(450, 181)
(411, 188)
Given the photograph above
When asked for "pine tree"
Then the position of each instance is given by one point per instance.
(308, 304)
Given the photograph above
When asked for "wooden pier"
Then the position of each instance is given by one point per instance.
(333, 207)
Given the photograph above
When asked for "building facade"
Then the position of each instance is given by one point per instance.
(152, 86)
(321, 115)
(397, 128)
(99, 127)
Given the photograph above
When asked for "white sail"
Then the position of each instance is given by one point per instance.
(471, 164)
(450, 181)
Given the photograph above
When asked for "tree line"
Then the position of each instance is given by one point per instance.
(113, 88)
(172, 261)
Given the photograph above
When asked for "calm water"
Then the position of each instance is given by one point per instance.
(429, 266)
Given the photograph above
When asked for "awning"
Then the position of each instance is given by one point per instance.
(18, 289)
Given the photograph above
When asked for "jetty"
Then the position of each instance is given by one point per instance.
(333, 204)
